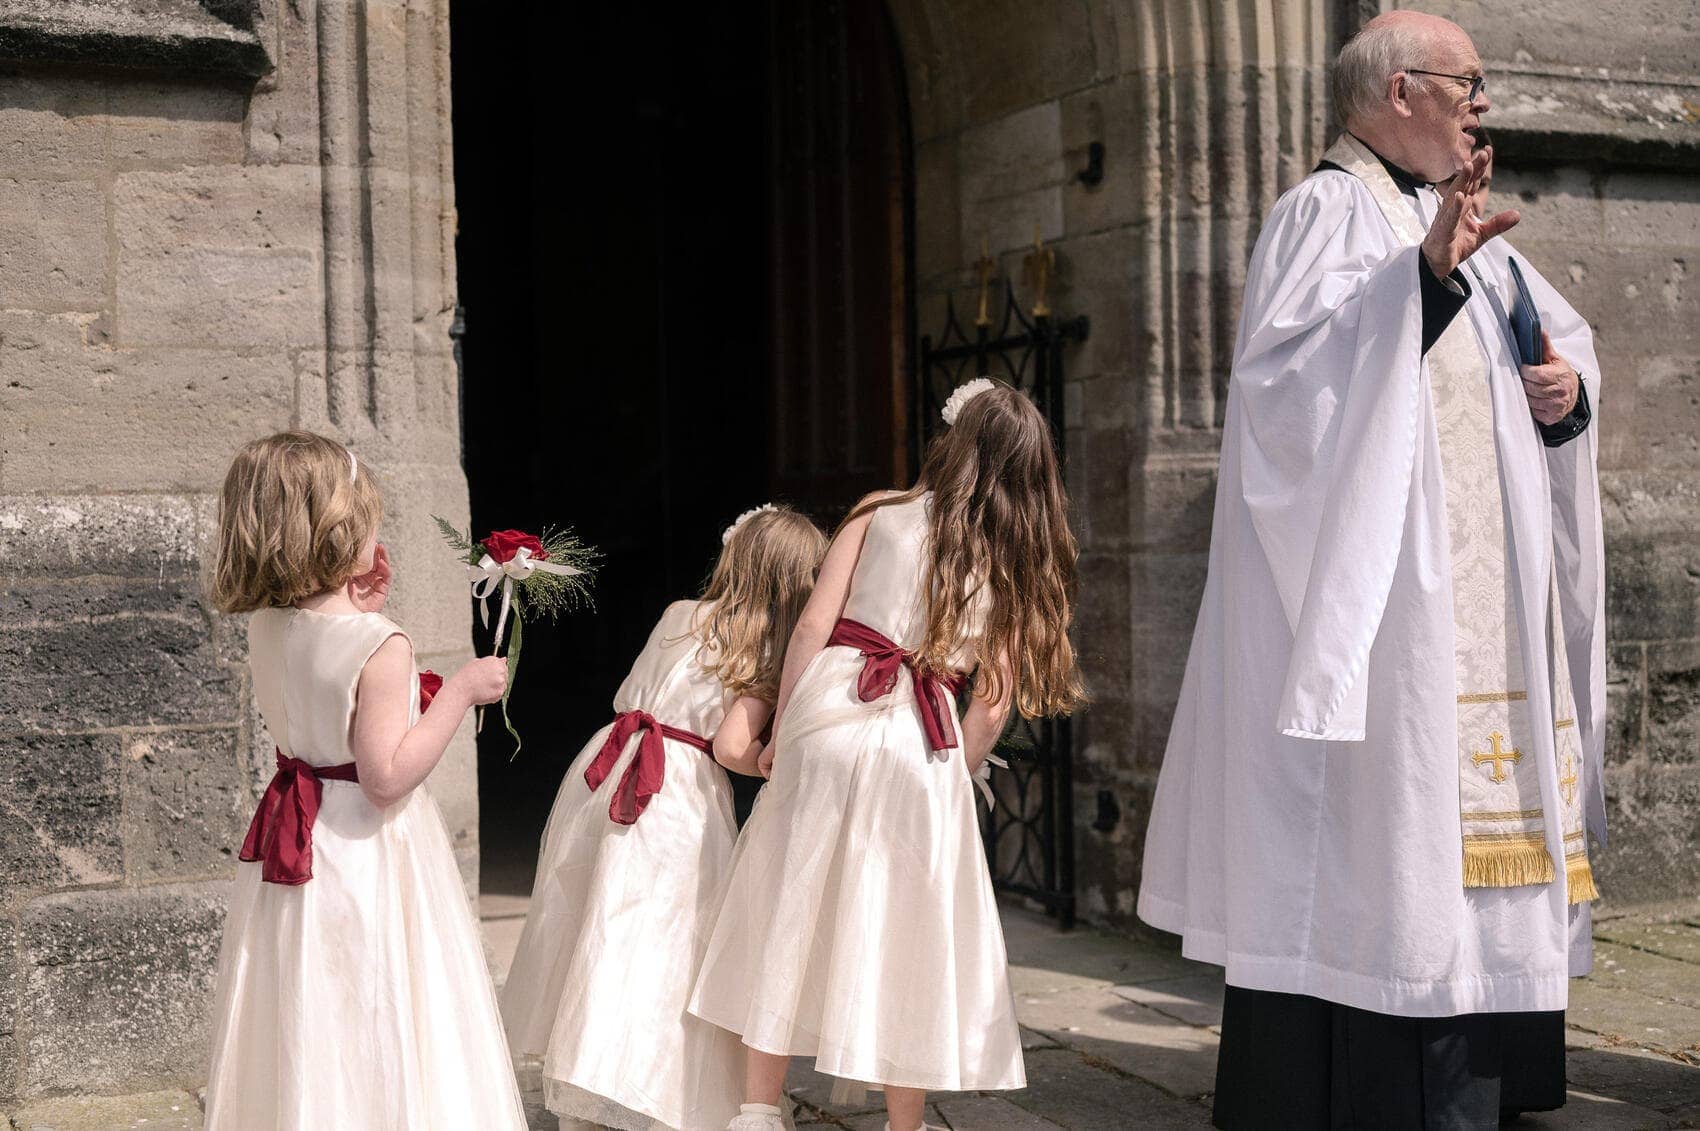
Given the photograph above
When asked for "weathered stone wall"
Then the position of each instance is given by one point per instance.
(1207, 112)
(189, 260)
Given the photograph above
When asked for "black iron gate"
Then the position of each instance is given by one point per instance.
(1029, 831)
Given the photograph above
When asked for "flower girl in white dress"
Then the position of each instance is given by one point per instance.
(352, 988)
(638, 845)
(859, 925)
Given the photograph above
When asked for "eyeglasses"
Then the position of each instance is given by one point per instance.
(1478, 83)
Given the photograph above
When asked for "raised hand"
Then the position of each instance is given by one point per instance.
(1550, 386)
(371, 589)
(1457, 232)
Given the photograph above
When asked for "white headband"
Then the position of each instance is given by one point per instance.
(963, 394)
(353, 467)
(726, 535)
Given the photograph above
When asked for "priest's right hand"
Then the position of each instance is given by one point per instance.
(1457, 232)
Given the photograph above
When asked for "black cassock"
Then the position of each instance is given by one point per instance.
(1302, 1063)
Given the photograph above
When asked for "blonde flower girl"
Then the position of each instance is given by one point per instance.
(352, 990)
(638, 845)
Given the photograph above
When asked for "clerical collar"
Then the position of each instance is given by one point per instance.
(1408, 183)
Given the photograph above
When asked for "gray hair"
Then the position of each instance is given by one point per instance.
(1366, 62)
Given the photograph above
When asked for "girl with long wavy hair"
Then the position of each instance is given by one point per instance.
(638, 845)
(859, 925)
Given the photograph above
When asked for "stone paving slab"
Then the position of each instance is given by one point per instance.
(1178, 1057)
(1585, 1112)
(1033, 1039)
(154, 1111)
(529, 1071)
(1624, 997)
(1654, 1080)
(873, 1121)
(1195, 999)
(812, 1090)
(1666, 911)
(1679, 940)
(1649, 973)
(990, 1113)
(1042, 958)
(1085, 1095)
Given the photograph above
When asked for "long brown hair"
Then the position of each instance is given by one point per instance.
(1001, 544)
(295, 513)
(753, 599)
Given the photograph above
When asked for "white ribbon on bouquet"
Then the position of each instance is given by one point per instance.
(983, 778)
(488, 572)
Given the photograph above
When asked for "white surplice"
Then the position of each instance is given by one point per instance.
(1306, 832)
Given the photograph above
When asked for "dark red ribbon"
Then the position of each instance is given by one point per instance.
(647, 769)
(933, 693)
(281, 834)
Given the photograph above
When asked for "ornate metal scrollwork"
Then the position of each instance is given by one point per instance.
(1029, 831)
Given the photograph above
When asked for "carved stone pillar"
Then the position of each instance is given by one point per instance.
(1206, 112)
(224, 218)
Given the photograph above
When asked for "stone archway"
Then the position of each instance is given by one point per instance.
(1206, 112)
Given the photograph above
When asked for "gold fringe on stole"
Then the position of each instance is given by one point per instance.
(1506, 862)
(1579, 878)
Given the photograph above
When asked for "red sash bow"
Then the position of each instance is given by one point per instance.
(879, 677)
(281, 834)
(643, 777)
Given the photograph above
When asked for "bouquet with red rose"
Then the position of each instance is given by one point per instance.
(536, 575)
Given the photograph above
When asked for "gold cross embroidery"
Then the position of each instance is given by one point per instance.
(1567, 783)
(1498, 757)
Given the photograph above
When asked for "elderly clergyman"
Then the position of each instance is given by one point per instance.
(1385, 760)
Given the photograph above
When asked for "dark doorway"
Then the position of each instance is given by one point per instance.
(656, 206)
(838, 247)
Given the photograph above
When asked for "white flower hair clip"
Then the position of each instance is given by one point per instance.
(963, 394)
(726, 535)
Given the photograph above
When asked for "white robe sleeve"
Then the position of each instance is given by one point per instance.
(1578, 540)
(1329, 374)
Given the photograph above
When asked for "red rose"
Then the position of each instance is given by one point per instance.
(429, 684)
(502, 545)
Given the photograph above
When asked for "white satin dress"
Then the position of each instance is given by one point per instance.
(620, 915)
(358, 999)
(859, 925)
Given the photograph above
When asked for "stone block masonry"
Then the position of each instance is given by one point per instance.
(222, 219)
(123, 791)
(107, 976)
